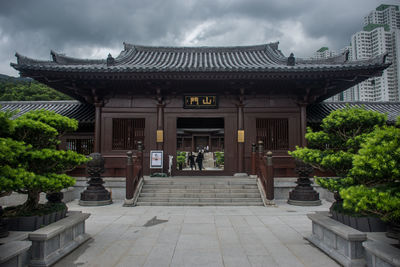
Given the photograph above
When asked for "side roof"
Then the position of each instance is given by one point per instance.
(135, 58)
(84, 112)
(317, 112)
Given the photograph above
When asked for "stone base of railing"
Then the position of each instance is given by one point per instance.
(51, 243)
(15, 254)
(379, 254)
(339, 241)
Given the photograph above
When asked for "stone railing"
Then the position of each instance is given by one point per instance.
(339, 241)
(51, 243)
(15, 253)
(45, 246)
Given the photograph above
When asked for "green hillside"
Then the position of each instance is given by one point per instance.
(26, 89)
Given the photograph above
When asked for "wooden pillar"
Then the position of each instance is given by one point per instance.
(240, 142)
(97, 127)
(253, 159)
(303, 123)
(270, 177)
(129, 177)
(160, 126)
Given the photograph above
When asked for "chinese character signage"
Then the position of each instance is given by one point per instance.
(200, 101)
(160, 136)
(240, 136)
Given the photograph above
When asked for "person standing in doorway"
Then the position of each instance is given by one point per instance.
(191, 161)
(199, 160)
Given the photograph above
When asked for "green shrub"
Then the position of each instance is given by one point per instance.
(219, 158)
(181, 157)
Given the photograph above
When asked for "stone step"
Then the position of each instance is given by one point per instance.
(198, 190)
(197, 204)
(207, 200)
(199, 195)
(209, 186)
(201, 182)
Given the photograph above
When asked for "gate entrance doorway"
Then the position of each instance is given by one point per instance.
(200, 144)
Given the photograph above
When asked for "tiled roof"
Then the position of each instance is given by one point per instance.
(84, 113)
(134, 58)
(316, 112)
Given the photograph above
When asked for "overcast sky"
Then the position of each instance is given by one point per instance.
(94, 28)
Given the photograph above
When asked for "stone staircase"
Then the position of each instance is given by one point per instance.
(200, 191)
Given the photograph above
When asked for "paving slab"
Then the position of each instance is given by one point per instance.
(198, 236)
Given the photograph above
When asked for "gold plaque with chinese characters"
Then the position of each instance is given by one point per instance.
(200, 101)
(160, 136)
(240, 136)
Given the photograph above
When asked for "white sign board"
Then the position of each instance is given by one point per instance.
(156, 159)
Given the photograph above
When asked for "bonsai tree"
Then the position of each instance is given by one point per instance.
(9, 160)
(30, 161)
(376, 171)
(333, 148)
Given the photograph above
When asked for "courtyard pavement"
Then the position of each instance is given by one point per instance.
(198, 236)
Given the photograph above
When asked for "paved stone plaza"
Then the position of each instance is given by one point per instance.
(198, 236)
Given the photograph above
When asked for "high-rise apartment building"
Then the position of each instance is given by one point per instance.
(324, 52)
(380, 34)
(384, 14)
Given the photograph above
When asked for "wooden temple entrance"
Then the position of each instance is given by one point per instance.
(217, 99)
(194, 134)
(205, 135)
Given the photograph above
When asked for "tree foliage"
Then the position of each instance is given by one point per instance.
(378, 160)
(376, 170)
(364, 152)
(380, 202)
(28, 91)
(30, 162)
(334, 147)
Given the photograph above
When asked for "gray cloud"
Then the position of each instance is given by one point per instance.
(93, 28)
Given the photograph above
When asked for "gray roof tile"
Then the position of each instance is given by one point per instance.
(84, 113)
(134, 58)
(316, 112)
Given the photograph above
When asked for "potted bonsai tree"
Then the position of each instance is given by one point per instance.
(31, 163)
(376, 173)
(333, 148)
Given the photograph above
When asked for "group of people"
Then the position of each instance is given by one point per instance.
(199, 160)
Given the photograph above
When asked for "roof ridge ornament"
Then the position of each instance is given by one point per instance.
(274, 45)
(346, 55)
(110, 60)
(384, 57)
(53, 55)
(291, 61)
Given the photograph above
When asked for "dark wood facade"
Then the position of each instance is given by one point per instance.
(256, 107)
(140, 94)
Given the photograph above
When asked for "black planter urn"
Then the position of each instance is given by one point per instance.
(95, 194)
(304, 194)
